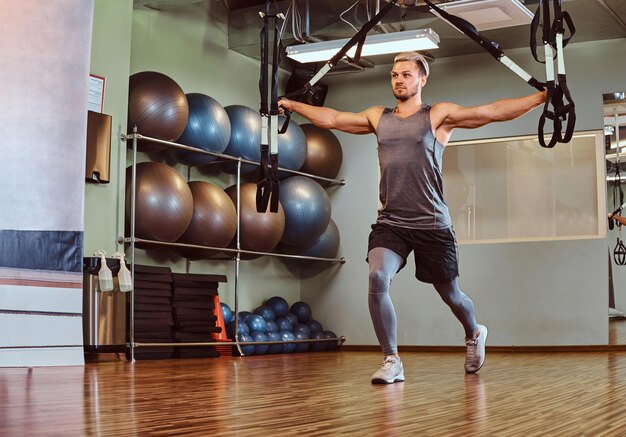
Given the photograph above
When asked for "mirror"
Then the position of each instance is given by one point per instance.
(614, 112)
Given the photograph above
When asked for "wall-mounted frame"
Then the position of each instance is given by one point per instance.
(511, 189)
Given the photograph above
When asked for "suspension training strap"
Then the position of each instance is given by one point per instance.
(268, 185)
(553, 43)
(358, 38)
(492, 47)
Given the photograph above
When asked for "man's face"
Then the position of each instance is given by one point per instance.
(406, 80)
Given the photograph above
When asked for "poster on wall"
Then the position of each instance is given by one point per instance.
(95, 100)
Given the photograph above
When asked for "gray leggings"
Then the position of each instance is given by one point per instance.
(383, 265)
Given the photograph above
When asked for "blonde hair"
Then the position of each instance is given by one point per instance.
(415, 57)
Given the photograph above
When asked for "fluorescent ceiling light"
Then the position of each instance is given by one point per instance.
(490, 14)
(423, 39)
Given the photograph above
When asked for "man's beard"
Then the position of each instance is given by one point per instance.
(407, 96)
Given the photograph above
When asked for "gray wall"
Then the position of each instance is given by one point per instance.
(538, 293)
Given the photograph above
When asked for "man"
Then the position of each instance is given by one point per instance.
(414, 216)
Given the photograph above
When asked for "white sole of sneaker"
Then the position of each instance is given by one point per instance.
(399, 378)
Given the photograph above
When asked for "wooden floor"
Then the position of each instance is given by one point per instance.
(321, 394)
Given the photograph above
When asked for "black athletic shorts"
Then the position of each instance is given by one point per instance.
(435, 251)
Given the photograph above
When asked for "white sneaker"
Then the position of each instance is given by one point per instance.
(475, 356)
(391, 371)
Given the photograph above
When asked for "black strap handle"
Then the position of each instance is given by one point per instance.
(268, 191)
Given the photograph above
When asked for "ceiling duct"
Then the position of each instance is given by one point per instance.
(595, 20)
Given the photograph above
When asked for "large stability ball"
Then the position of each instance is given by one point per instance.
(323, 152)
(291, 147)
(164, 203)
(324, 246)
(208, 129)
(245, 138)
(259, 232)
(307, 210)
(158, 106)
(214, 220)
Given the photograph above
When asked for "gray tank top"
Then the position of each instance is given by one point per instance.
(411, 186)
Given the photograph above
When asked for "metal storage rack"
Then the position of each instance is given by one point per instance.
(132, 239)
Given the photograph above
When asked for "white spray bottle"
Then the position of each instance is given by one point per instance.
(105, 277)
(123, 276)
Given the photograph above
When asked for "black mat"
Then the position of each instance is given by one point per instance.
(151, 269)
(153, 292)
(150, 285)
(197, 277)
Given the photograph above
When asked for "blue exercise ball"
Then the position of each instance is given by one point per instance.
(301, 310)
(314, 326)
(324, 246)
(271, 326)
(293, 319)
(256, 323)
(278, 304)
(246, 349)
(287, 336)
(227, 313)
(266, 312)
(242, 328)
(331, 345)
(274, 348)
(243, 315)
(307, 210)
(301, 327)
(318, 346)
(208, 129)
(245, 138)
(260, 349)
(301, 347)
(291, 147)
(284, 324)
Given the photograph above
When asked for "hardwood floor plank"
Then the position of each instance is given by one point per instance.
(321, 394)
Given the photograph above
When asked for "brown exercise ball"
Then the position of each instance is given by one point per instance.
(260, 232)
(323, 152)
(164, 204)
(158, 106)
(214, 220)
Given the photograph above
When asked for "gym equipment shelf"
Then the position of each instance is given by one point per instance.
(132, 239)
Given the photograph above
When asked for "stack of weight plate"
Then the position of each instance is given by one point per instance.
(153, 317)
(193, 305)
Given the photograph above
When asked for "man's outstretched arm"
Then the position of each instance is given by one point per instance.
(328, 118)
(452, 116)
